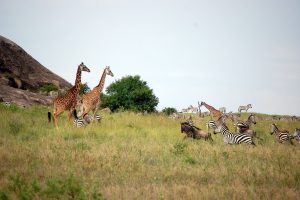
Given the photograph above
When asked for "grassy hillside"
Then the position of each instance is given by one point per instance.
(130, 156)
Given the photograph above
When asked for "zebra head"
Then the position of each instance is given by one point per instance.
(219, 124)
(249, 106)
(274, 129)
(297, 133)
(251, 118)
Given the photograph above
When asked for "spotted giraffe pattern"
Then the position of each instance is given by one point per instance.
(213, 112)
(69, 100)
(91, 101)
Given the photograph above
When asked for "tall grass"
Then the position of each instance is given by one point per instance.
(131, 156)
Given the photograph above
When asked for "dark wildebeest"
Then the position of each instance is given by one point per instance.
(194, 132)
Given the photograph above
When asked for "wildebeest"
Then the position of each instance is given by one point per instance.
(194, 132)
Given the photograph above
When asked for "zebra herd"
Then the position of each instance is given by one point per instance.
(244, 133)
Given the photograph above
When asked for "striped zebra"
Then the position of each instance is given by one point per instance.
(244, 108)
(211, 123)
(87, 119)
(296, 135)
(230, 138)
(190, 121)
(78, 122)
(243, 126)
(281, 136)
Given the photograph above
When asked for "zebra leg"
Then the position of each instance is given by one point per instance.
(291, 141)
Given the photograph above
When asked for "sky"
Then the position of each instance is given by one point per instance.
(226, 53)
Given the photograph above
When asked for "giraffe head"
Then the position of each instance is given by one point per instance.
(108, 71)
(83, 67)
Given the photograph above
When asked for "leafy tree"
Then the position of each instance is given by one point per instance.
(169, 110)
(84, 88)
(130, 93)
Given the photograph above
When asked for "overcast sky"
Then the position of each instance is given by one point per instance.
(226, 53)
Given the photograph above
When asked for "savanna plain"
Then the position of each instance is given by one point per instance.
(134, 156)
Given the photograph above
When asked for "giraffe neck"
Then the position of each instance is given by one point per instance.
(101, 82)
(78, 80)
(210, 108)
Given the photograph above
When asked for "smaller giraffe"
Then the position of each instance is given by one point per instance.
(213, 112)
(91, 101)
(69, 100)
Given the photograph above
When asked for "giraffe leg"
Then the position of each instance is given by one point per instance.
(96, 109)
(70, 114)
(95, 113)
(82, 112)
(55, 119)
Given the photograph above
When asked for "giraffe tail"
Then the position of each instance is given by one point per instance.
(49, 116)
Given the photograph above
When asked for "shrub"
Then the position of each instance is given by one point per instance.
(130, 93)
(84, 88)
(48, 88)
(169, 110)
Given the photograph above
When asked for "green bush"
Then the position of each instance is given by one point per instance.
(169, 110)
(130, 93)
(49, 87)
(84, 88)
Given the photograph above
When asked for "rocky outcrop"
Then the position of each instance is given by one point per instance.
(22, 77)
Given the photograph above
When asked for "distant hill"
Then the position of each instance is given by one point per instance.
(22, 77)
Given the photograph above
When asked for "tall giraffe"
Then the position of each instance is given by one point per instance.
(69, 100)
(91, 101)
(213, 112)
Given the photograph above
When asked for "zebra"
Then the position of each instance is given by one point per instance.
(78, 122)
(281, 136)
(87, 119)
(190, 121)
(211, 123)
(222, 110)
(230, 138)
(243, 126)
(244, 108)
(296, 135)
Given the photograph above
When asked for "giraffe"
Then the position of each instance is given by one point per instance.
(91, 101)
(213, 112)
(69, 100)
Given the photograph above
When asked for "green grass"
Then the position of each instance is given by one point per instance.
(131, 156)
